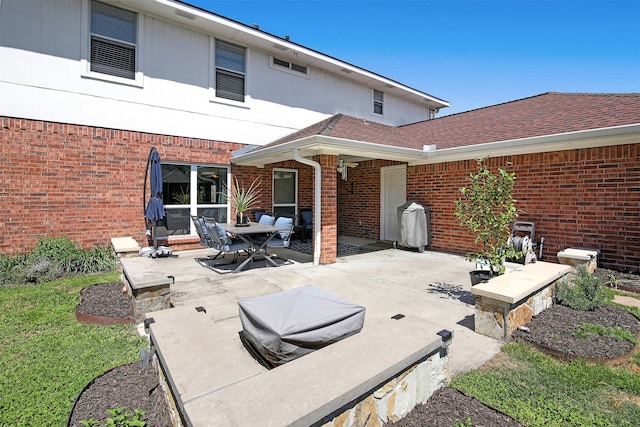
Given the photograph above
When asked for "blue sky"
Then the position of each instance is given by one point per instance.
(470, 53)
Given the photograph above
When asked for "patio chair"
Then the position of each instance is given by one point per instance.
(214, 236)
(282, 239)
(306, 216)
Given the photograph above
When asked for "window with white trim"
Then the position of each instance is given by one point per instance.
(285, 192)
(192, 189)
(378, 101)
(230, 71)
(113, 40)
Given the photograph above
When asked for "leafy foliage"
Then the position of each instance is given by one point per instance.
(119, 418)
(53, 258)
(487, 208)
(583, 291)
(240, 198)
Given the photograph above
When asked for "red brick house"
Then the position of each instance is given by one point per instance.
(84, 98)
(576, 159)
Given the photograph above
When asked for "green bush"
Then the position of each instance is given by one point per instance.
(54, 258)
(583, 291)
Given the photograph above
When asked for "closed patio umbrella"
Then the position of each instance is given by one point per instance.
(155, 208)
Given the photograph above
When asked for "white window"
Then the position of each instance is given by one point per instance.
(190, 189)
(378, 101)
(113, 41)
(230, 71)
(285, 192)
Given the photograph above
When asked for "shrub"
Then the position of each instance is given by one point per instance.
(53, 258)
(583, 292)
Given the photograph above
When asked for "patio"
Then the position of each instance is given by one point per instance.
(431, 289)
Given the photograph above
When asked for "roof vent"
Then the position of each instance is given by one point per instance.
(344, 70)
(185, 14)
(279, 46)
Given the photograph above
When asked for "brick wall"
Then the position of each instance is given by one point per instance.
(586, 197)
(81, 181)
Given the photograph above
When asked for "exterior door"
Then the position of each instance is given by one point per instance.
(394, 193)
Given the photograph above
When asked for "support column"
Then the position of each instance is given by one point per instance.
(329, 247)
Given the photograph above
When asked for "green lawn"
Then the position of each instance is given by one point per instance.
(47, 357)
(538, 390)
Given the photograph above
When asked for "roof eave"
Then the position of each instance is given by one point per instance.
(617, 135)
(320, 144)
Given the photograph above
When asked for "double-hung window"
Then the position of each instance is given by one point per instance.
(230, 71)
(378, 101)
(113, 40)
(285, 191)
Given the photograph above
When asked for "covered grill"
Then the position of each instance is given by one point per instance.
(414, 225)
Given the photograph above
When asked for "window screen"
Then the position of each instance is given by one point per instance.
(113, 40)
(230, 71)
(378, 100)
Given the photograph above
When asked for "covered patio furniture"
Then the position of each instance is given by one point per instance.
(281, 327)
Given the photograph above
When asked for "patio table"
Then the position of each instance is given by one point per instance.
(259, 247)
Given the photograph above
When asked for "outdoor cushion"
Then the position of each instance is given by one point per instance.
(285, 325)
(266, 220)
(216, 228)
(284, 222)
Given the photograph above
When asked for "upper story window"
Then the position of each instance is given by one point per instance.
(378, 101)
(113, 40)
(230, 71)
(289, 65)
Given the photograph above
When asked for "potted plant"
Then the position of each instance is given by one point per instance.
(242, 199)
(487, 208)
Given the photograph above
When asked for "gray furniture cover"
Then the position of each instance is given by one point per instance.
(283, 326)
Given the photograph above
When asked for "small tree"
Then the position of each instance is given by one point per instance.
(487, 208)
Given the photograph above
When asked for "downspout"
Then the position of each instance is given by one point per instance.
(317, 202)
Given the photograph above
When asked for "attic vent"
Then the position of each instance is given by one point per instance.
(185, 14)
(344, 70)
(280, 47)
(290, 65)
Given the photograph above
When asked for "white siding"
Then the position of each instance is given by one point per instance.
(42, 77)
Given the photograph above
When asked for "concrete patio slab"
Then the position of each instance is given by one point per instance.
(432, 288)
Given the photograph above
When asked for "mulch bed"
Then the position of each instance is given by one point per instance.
(135, 389)
(553, 332)
(126, 386)
(448, 406)
(105, 300)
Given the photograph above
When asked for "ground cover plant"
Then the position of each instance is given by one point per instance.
(54, 258)
(48, 357)
(539, 390)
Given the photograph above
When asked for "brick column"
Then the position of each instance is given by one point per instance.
(329, 225)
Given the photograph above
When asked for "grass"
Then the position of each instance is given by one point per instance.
(538, 390)
(47, 357)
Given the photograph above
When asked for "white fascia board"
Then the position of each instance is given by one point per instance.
(319, 144)
(617, 135)
(231, 30)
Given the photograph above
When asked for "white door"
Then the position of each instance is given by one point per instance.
(394, 192)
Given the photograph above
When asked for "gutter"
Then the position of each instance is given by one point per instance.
(317, 202)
